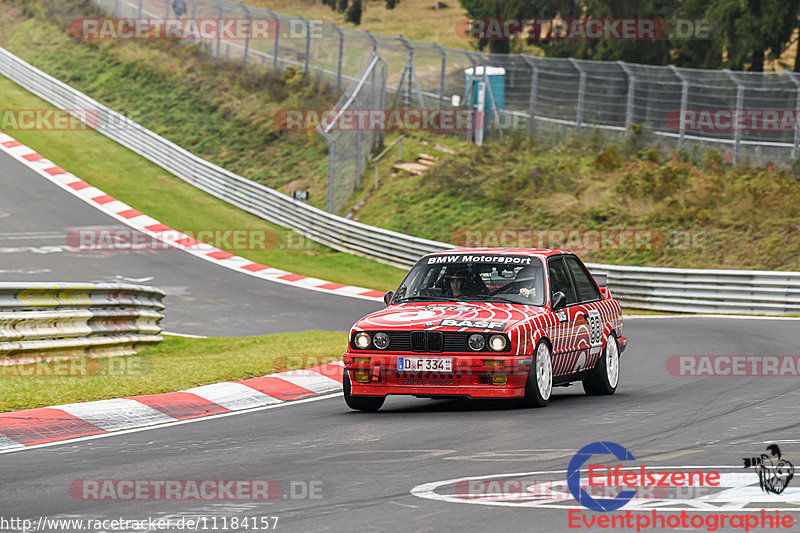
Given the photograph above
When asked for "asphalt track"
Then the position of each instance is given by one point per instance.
(369, 462)
(202, 298)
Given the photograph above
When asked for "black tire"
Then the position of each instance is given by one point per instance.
(604, 380)
(360, 403)
(539, 386)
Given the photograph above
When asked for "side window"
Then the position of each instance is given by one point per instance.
(587, 291)
(559, 280)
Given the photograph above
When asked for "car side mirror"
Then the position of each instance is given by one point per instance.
(388, 297)
(558, 301)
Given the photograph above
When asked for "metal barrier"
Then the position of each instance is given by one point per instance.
(660, 289)
(55, 320)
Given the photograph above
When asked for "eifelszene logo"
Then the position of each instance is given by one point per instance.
(774, 472)
(574, 476)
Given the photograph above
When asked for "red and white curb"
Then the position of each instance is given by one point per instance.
(62, 422)
(153, 228)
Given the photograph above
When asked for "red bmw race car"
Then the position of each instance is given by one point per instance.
(487, 323)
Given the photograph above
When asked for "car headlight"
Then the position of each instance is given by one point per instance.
(381, 340)
(497, 343)
(363, 340)
(476, 342)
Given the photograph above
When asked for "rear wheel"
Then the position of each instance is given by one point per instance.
(360, 403)
(540, 379)
(605, 378)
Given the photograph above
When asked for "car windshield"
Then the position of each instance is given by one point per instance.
(467, 277)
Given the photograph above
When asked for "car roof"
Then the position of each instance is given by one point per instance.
(531, 252)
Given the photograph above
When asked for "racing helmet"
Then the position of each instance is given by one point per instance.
(526, 275)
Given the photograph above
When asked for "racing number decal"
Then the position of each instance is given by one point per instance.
(595, 327)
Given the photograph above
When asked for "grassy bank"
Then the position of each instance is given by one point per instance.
(175, 364)
(695, 209)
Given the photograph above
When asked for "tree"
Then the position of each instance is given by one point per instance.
(521, 9)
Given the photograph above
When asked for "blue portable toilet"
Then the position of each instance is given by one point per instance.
(496, 76)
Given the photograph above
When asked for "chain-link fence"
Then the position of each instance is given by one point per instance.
(349, 149)
(547, 97)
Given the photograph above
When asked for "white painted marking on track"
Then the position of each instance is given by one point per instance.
(169, 424)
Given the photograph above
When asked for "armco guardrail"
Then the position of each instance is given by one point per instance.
(704, 291)
(50, 320)
(661, 289)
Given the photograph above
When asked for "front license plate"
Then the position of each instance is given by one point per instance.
(416, 364)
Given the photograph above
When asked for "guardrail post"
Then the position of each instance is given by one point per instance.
(796, 143)
(581, 93)
(737, 133)
(534, 90)
(684, 104)
(339, 60)
(442, 73)
(247, 39)
(629, 109)
(219, 24)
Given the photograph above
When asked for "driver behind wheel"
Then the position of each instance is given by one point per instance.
(457, 285)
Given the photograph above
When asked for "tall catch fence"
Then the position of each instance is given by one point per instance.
(543, 97)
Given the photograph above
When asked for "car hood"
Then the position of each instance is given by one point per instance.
(449, 316)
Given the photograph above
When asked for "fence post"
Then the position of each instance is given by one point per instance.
(139, 10)
(358, 158)
(331, 160)
(277, 37)
(684, 104)
(411, 73)
(581, 93)
(194, 9)
(737, 133)
(442, 73)
(247, 39)
(469, 97)
(374, 41)
(219, 24)
(166, 9)
(534, 90)
(308, 44)
(796, 143)
(339, 61)
(629, 110)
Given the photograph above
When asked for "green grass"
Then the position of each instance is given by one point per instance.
(175, 364)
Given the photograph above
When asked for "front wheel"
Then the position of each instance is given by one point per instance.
(360, 403)
(540, 379)
(605, 378)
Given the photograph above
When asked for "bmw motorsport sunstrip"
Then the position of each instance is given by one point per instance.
(487, 323)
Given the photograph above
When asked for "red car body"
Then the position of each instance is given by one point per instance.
(576, 336)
